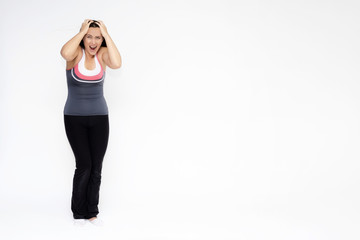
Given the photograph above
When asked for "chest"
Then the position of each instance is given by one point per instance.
(90, 64)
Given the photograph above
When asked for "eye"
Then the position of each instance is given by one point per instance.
(98, 38)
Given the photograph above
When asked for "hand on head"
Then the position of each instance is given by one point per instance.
(86, 24)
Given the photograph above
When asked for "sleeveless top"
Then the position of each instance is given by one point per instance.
(85, 90)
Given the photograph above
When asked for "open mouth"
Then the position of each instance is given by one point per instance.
(93, 48)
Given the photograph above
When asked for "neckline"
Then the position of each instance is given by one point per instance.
(82, 69)
(95, 59)
(82, 61)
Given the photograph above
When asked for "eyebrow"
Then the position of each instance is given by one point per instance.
(92, 35)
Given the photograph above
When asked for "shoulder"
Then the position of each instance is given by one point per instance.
(102, 55)
(102, 51)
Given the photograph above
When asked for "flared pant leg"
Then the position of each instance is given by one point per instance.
(88, 137)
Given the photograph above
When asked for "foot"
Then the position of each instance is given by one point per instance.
(96, 221)
(79, 222)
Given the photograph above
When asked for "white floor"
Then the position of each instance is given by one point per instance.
(179, 219)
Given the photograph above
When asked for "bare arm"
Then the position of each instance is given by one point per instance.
(111, 55)
(71, 49)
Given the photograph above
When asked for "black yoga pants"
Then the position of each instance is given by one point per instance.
(88, 138)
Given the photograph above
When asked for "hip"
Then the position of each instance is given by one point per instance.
(86, 107)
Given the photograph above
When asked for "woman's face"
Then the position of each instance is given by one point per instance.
(92, 40)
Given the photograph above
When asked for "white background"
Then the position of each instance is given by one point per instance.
(228, 120)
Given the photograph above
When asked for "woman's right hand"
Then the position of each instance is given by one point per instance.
(85, 25)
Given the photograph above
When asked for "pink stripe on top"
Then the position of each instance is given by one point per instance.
(82, 76)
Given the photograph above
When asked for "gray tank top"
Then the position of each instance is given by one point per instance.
(85, 90)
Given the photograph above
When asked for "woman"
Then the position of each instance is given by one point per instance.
(87, 55)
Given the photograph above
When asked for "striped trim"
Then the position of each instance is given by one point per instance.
(83, 73)
(88, 77)
(85, 80)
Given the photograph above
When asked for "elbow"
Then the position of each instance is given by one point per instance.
(116, 65)
(65, 55)
(62, 53)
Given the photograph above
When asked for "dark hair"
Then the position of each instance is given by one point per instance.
(93, 25)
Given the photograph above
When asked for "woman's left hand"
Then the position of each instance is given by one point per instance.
(102, 28)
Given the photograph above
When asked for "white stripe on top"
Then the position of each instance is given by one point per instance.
(84, 71)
